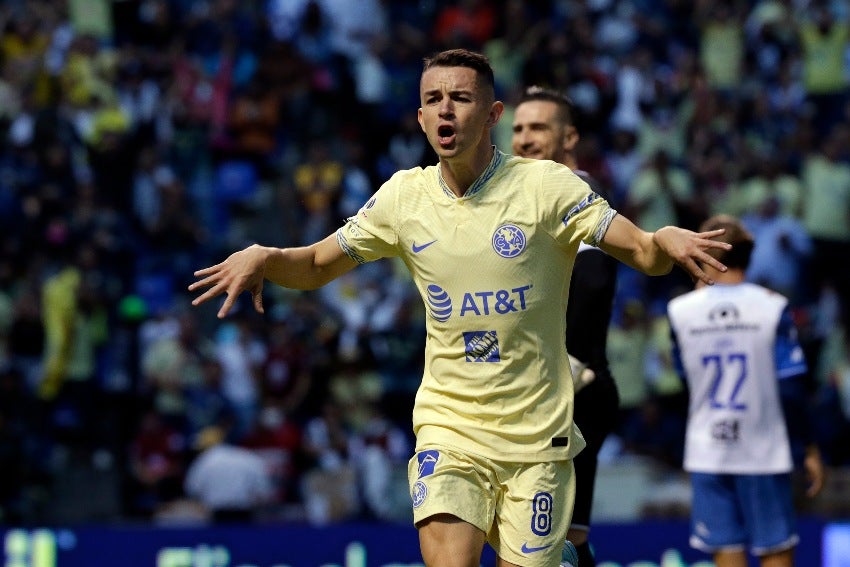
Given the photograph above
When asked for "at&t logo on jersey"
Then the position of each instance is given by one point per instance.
(509, 241)
(439, 303)
(487, 302)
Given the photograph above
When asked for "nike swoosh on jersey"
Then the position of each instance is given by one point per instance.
(526, 549)
(417, 249)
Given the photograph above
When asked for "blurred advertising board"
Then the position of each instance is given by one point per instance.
(640, 544)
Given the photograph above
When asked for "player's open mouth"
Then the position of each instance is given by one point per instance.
(445, 135)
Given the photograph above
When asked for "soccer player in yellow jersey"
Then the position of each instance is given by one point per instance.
(490, 241)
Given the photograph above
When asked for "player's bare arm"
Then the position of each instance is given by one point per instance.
(307, 267)
(655, 253)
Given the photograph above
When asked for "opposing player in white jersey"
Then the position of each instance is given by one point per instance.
(490, 241)
(736, 345)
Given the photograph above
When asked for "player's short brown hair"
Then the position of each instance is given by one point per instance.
(566, 108)
(463, 58)
(736, 234)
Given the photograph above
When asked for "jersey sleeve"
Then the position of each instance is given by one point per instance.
(574, 210)
(790, 360)
(372, 232)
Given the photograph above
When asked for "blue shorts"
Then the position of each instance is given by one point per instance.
(732, 512)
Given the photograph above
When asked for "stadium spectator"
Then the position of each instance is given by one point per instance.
(73, 327)
(26, 338)
(823, 41)
(772, 181)
(252, 126)
(241, 351)
(469, 24)
(285, 372)
(832, 400)
(329, 485)
(405, 149)
(782, 251)
(826, 217)
(327, 437)
(661, 193)
(176, 236)
(173, 363)
(277, 440)
(23, 48)
(356, 181)
(205, 403)
(721, 44)
(380, 458)
(628, 337)
(318, 183)
(233, 483)
(396, 350)
(157, 465)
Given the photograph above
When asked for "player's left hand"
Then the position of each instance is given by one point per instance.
(688, 249)
(814, 472)
(241, 271)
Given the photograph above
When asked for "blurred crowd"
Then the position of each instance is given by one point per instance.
(141, 140)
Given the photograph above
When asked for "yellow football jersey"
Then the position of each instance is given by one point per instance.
(493, 268)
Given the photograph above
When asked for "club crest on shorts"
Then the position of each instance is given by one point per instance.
(509, 241)
(426, 460)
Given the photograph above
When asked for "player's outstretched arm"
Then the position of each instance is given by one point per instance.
(655, 253)
(307, 267)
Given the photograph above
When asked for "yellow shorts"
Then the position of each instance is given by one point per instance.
(524, 508)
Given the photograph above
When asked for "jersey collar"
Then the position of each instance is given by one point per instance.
(496, 161)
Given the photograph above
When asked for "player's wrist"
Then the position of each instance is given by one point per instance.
(662, 258)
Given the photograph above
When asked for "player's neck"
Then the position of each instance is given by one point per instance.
(729, 277)
(570, 161)
(460, 172)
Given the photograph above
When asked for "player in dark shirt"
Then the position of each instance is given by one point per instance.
(544, 128)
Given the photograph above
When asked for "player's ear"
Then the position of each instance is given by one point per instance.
(419, 119)
(496, 111)
(571, 138)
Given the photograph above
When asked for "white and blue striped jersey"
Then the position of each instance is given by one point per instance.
(733, 343)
